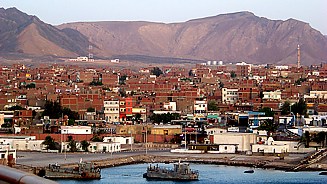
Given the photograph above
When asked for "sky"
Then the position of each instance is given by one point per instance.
(57, 12)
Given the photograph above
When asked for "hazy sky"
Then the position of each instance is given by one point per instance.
(61, 11)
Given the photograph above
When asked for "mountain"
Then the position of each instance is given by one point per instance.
(22, 33)
(231, 37)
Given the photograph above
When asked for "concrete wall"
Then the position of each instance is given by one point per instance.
(269, 149)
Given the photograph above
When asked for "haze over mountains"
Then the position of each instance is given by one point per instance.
(230, 37)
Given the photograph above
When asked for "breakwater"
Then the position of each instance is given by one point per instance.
(264, 162)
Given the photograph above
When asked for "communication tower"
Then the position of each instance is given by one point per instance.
(298, 56)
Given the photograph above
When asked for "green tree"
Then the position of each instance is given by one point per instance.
(52, 109)
(85, 145)
(96, 138)
(299, 81)
(96, 83)
(285, 109)
(55, 111)
(50, 143)
(71, 114)
(72, 144)
(306, 138)
(320, 138)
(268, 112)
(269, 126)
(232, 74)
(122, 79)
(300, 107)
(30, 85)
(90, 109)
(156, 71)
(137, 117)
(71, 122)
(212, 105)
(164, 118)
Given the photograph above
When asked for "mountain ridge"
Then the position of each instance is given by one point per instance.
(233, 37)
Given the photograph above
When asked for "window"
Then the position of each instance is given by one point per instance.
(225, 147)
(2, 155)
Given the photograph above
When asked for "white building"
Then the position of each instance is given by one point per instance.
(170, 106)
(317, 95)
(200, 109)
(114, 61)
(76, 130)
(281, 67)
(9, 140)
(111, 110)
(229, 96)
(242, 140)
(82, 59)
(225, 148)
(212, 131)
(120, 140)
(28, 145)
(278, 147)
(272, 95)
(258, 78)
(104, 147)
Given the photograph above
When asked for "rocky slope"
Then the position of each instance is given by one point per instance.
(27, 34)
(230, 37)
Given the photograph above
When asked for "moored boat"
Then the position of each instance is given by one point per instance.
(181, 171)
(82, 171)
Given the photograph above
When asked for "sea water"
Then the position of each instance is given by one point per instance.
(133, 174)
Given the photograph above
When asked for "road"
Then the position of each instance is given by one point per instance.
(44, 159)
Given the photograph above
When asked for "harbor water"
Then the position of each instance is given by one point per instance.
(207, 174)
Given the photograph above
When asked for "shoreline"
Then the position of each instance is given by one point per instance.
(139, 159)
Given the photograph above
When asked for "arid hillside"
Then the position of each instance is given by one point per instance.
(229, 37)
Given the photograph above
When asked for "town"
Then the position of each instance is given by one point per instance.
(209, 108)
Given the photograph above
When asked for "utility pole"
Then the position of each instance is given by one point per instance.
(146, 139)
(185, 135)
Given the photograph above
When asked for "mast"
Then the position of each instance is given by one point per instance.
(298, 56)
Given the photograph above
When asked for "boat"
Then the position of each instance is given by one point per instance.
(181, 171)
(249, 171)
(83, 171)
(323, 173)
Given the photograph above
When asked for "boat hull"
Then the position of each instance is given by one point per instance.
(161, 176)
(67, 175)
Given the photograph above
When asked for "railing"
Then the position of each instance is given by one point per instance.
(14, 176)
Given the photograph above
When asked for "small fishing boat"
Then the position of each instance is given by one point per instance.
(249, 171)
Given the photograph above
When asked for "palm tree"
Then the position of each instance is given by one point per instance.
(269, 126)
(85, 145)
(72, 144)
(50, 143)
